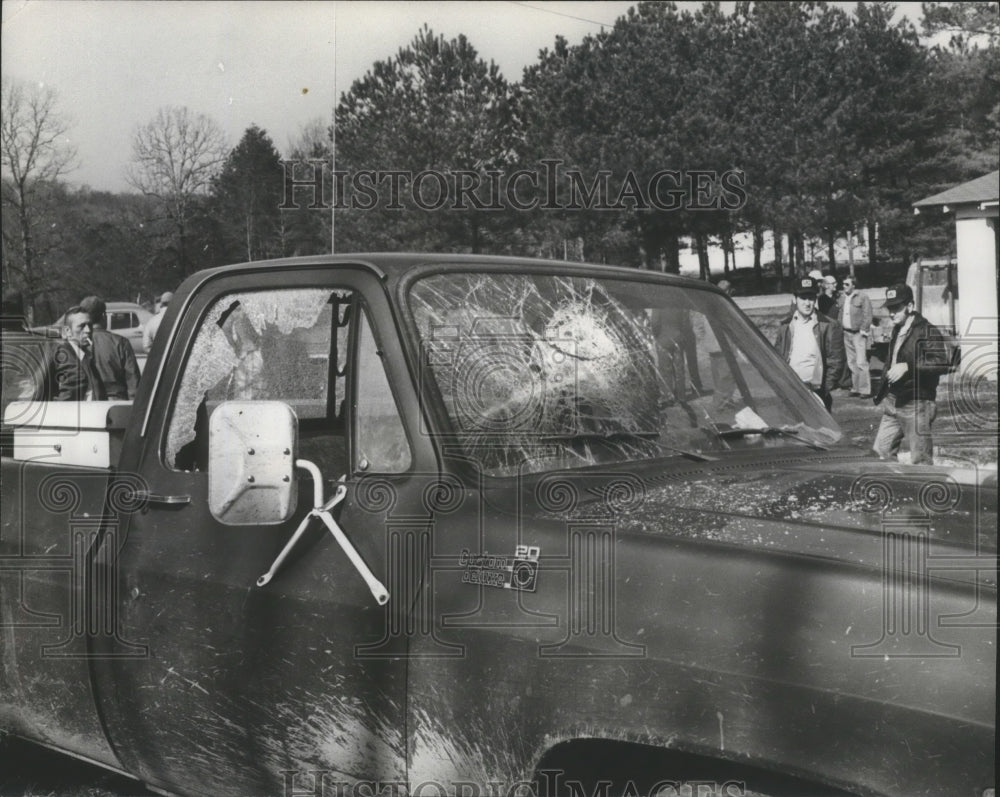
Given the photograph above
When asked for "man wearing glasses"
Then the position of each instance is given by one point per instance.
(918, 356)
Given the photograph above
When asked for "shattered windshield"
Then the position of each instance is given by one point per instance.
(542, 372)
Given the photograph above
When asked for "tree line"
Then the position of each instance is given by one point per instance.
(826, 125)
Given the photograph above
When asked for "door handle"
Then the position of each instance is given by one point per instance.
(146, 497)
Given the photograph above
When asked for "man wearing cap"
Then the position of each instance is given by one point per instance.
(113, 356)
(153, 325)
(811, 343)
(855, 314)
(918, 356)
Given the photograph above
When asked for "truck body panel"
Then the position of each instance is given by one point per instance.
(769, 599)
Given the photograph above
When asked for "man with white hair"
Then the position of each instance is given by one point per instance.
(826, 302)
(67, 371)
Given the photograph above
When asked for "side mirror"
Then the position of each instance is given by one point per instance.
(251, 462)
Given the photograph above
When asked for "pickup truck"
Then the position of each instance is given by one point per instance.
(479, 525)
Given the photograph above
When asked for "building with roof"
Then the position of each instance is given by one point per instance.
(975, 206)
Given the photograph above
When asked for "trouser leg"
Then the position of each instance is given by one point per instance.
(856, 350)
(917, 418)
(861, 372)
(850, 378)
(890, 431)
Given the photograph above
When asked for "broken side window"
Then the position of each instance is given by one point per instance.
(257, 346)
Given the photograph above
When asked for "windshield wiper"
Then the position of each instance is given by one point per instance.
(771, 431)
(613, 437)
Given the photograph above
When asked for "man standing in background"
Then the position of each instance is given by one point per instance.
(153, 325)
(918, 358)
(826, 302)
(67, 371)
(855, 314)
(114, 358)
(811, 343)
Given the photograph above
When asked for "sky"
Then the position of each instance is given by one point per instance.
(274, 63)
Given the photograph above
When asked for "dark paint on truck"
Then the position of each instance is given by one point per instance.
(774, 603)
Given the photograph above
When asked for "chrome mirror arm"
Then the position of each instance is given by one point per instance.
(322, 511)
(378, 590)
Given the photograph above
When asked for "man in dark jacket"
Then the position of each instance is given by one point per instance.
(826, 301)
(67, 371)
(114, 358)
(918, 357)
(811, 343)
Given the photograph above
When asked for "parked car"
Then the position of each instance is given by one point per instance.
(472, 522)
(124, 318)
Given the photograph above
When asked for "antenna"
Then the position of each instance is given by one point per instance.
(333, 143)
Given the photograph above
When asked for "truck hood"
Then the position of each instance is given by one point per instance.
(825, 505)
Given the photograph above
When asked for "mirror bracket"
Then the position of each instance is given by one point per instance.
(321, 509)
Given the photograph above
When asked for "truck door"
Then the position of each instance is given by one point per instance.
(249, 689)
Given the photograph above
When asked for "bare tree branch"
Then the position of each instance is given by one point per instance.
(175, 156)
(34, 154)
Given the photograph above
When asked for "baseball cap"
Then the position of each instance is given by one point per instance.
(805, 286)
(897, 296)
(166, 297)
(816, 274)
